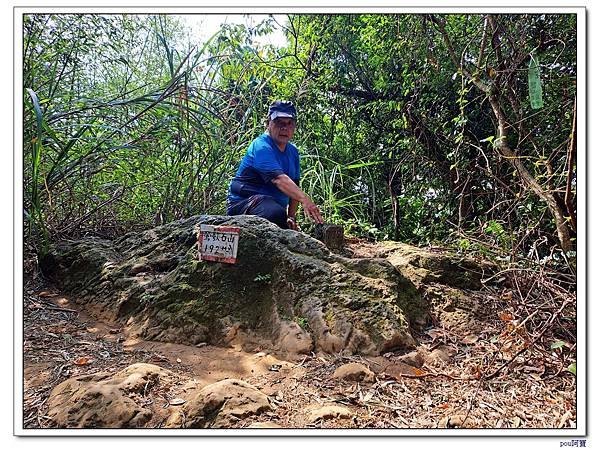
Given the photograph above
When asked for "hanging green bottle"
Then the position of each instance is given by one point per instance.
(535, 84)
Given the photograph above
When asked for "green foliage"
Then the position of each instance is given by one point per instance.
(35, 215)
(336, 188)
(495, 229)
(302, 322)
(128, 124)
(263, 278)
(140, 133)
(464, 245)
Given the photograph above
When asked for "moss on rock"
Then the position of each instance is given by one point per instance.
(154, 281)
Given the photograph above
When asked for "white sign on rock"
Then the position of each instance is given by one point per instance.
(218, 243)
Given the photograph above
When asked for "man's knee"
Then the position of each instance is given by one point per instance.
(263, 206)
(272, 211)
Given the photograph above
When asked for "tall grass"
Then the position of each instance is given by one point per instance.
(155, 138)
(35, 217)
(341, 190)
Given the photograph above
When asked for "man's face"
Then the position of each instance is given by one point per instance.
(282, 130)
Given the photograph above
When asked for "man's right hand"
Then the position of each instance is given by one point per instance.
(312, 211)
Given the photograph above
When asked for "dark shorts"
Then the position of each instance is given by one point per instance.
(262, 206)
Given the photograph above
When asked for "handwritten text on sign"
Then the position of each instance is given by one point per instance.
(218, 243)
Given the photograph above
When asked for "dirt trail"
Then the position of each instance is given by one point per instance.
(206, 362)
(446, 390)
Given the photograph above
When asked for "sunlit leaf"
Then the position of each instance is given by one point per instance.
(535, 84)
(418, 372)
(82, 361)
(470, 339)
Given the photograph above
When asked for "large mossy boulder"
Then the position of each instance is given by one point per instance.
(286, 287)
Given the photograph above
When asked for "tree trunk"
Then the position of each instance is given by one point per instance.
(564, 234)
(501, 143)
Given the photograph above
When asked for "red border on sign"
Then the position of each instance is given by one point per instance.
(217, 259)
(227, 229)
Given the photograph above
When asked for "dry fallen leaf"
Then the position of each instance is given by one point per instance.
(176, 401)
(435, 333)
(563, 420)
(83, 361)
(368, 396)
(470, 339)
(47, 294)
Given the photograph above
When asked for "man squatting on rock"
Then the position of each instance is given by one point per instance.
(266, 182)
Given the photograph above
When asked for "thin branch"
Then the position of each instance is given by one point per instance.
(567, 301)
(571, 161)
(483, 41)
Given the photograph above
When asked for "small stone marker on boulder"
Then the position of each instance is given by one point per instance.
(331, 235)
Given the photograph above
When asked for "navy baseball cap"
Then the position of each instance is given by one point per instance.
(282, 108)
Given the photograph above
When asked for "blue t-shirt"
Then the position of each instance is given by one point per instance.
(263, 162)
